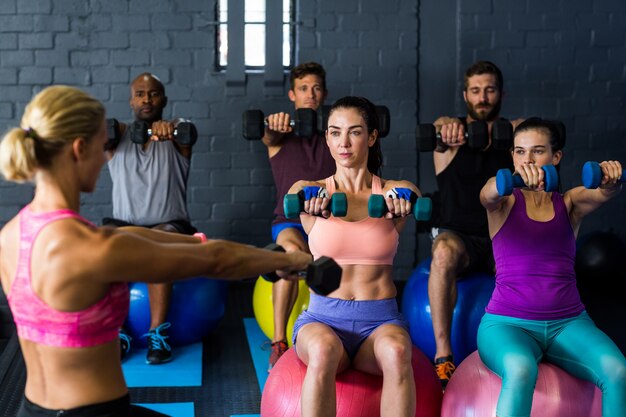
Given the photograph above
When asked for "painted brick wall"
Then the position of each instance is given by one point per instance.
(561, 60)
(368, 47)
(565, 60)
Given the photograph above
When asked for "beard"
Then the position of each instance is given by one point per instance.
(485, 113)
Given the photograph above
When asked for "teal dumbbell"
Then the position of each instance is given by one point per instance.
(592, 175)
(422, 206)
(506, 180)
(293, 204)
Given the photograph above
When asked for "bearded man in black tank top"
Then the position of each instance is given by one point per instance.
(461, 242)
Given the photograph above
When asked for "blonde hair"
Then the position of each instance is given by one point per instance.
(54, 118)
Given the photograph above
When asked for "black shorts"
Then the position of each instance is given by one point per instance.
(182, 226)
(114, 408)
(479, 251)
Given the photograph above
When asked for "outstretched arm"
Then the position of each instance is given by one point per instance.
(113, 255)
(581, 201)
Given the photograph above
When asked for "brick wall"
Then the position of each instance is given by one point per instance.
(565, 60)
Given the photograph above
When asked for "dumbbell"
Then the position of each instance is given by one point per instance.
(304, 123)
(293, 204)
(422, 207)
(592, 175)
(185, 133)
(322, 275)
(384, 120)
(502, 135)
(506, 180)
(114, 134)
(428, 139)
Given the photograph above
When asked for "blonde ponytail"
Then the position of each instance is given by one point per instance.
(52, 120)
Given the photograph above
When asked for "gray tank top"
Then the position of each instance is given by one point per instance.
(149, 187)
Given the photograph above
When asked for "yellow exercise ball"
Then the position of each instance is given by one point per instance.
(264, 308)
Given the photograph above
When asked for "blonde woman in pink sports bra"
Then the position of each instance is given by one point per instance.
(65, 278)
(358, 324)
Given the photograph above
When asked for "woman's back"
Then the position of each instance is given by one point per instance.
(67, 324)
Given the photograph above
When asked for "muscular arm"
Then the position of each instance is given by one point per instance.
(277, 127)
(113, 255)
(449, 127)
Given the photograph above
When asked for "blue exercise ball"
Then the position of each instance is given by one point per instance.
(473, 293)
(196, 307)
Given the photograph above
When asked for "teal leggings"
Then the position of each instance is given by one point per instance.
(512, 348)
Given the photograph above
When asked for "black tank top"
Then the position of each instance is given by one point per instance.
(460, 184)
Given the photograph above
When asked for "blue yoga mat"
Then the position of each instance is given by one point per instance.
(185, 370)
(172, 409)
(260, 356)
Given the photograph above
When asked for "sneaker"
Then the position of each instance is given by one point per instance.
(125, 340)
(159, 351)
(278, 348)
(444, 367)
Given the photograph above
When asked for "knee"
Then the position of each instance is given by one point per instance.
(521, 371)
(395, 356)
(615, 375)
(324, 352)
(446, 255)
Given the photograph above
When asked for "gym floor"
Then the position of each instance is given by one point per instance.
(233, 362)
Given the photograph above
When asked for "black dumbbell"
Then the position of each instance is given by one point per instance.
(304, 123)
(502, 135)
(322, 275)
(506, 180)
(114, 134)
(185, 133)
(428, 139)
(293, 204)
(592, 175)
(384, 120)
(422, 206)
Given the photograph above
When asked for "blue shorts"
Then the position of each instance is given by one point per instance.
(352, 321)
(279, 227)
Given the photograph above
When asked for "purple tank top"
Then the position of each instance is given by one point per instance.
(535, 276)
(299, 159)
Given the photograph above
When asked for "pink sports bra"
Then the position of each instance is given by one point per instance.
(38, 322)
(369, 241)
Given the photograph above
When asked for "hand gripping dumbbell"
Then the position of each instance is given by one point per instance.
(304, 123)
(322, 275)
(293, 204)
(506, 180)
(185, 133)
(428, 139)
(592, 175)
(422, 207)
(384, 120)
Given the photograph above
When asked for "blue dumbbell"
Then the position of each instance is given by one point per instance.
(422, 206)
(293, 204)
(592, 175)
(506, 181)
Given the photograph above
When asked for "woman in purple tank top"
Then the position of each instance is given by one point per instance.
(65, 278)
(535, 312)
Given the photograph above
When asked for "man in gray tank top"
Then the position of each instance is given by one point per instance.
(150, 190)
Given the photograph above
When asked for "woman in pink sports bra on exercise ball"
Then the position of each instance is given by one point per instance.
(358, 324)
(65, 278)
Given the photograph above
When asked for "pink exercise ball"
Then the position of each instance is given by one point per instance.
(473, 391)
(358, 393)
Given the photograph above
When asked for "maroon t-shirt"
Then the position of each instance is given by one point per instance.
(299, 159)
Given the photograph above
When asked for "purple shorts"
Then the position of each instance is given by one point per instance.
(352, 321)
